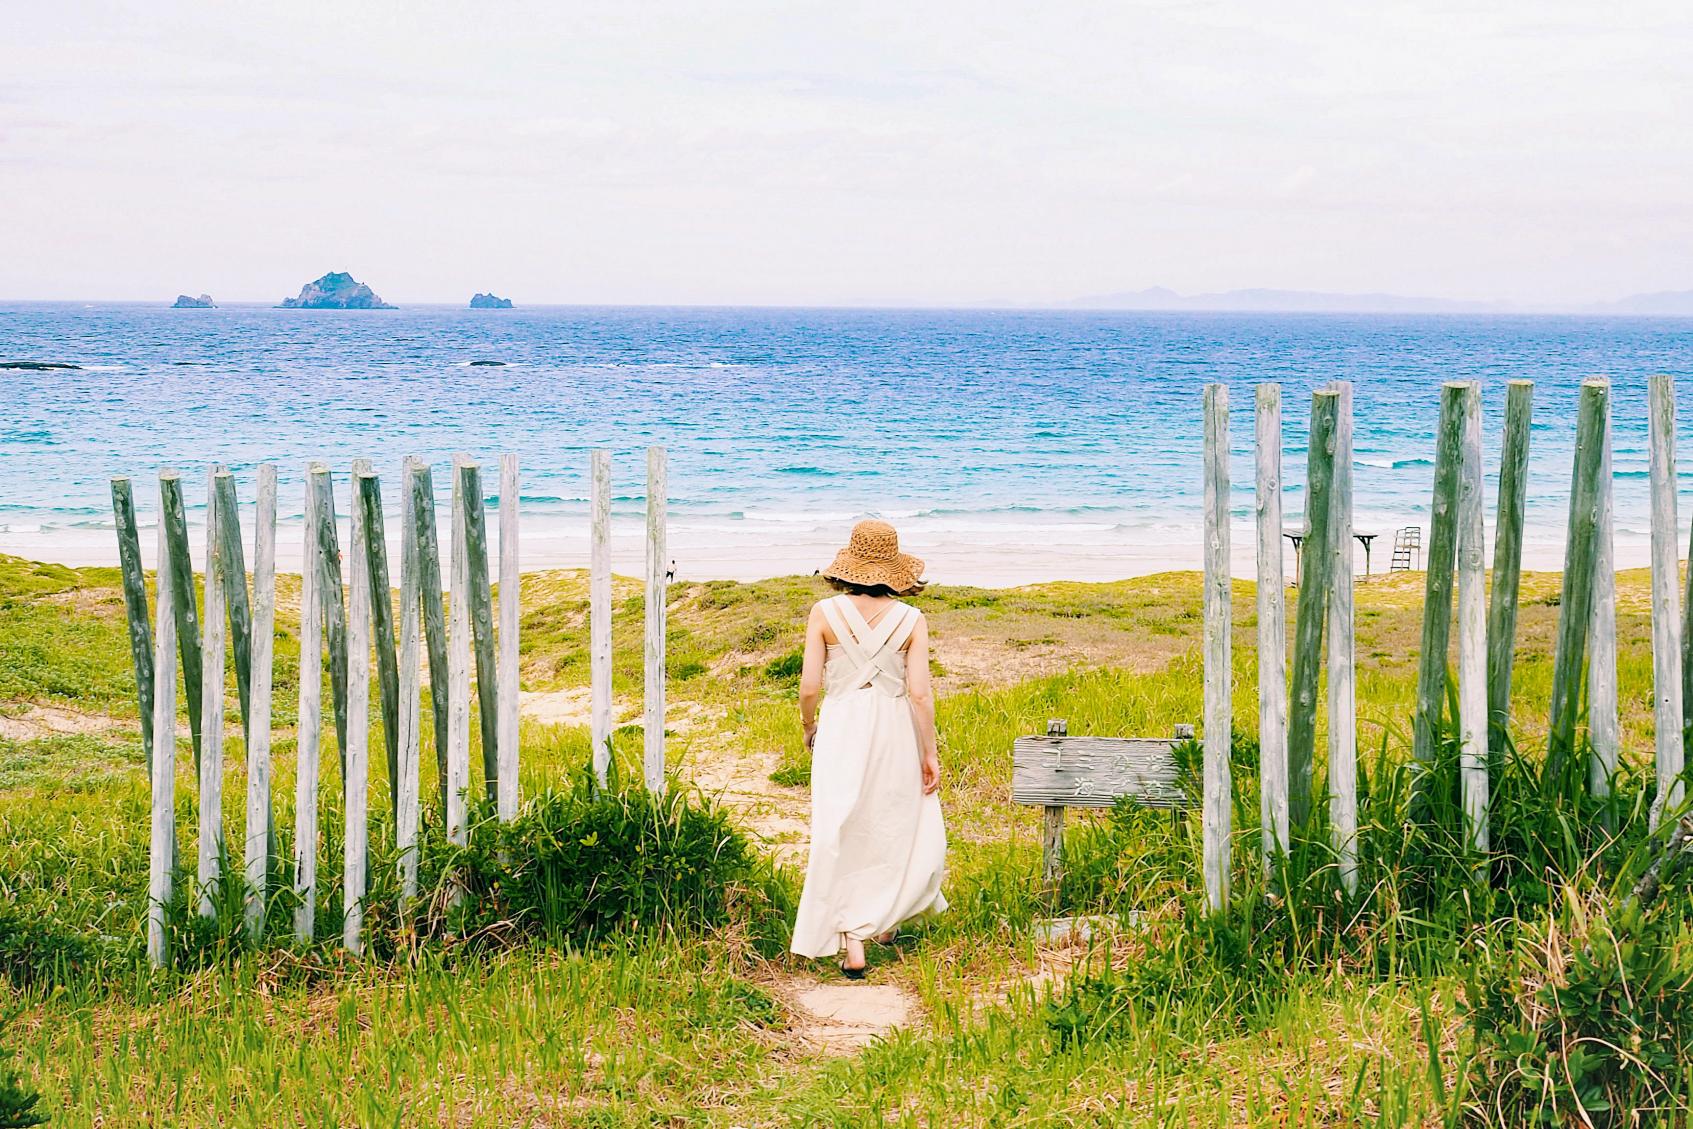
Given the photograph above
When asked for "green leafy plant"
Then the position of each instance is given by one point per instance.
(19, 1105)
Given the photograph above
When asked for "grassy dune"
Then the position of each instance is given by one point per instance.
(670, 1026)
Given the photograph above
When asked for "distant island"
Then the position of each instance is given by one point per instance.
(184, 302)
(489, 302)
(336, 290)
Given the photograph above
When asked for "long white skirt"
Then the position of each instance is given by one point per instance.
(878, 846)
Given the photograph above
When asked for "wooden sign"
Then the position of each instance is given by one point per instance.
(1093, 772)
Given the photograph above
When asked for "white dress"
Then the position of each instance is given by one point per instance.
(878, 847)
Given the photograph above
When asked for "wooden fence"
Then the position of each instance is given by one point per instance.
(346, 619)
(1585, 659)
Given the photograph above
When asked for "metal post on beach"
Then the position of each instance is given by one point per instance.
(308, 744)
(1575, 607)
(1472, 627)
(1272, 629)
(161, 857)
(408, 786)
(1507, 559)
(1437, 589)
(1316, 566)
(1604, 727)
(599, 611)
(1343, 705)
(1667, 656)
(355, 839)
(258, 845)
(508, 794)
(211, 712)
(135, 609)
(657, 566)
(1217, 811)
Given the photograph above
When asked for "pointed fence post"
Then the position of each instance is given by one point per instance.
(1507, 559)
(175, 522)
(481, 624)
(211, 712)
(1272, 629)
(1604, 726)
(1316, 566)
(161, 860)
(367, 499)
(1343, 703)
(508, 793)
(1219, 673)
(407, 804)
(657, 568)
(334, 603)
(1575, 608)
(356, 782)
(599, 610)
(310, 727)
(258, 852)
(1667, 656)
(422, 491)
(1472, 627)
(1437, 591)
(135, 609)
(458, 668)
(234, 574)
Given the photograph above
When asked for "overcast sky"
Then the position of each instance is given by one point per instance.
(901, 153)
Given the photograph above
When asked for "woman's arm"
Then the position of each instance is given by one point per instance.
(811, 674)
(920, 689)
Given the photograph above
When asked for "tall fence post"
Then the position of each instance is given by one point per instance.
(1604, 727)
(161, 858)
(310, 727)
(355, 838)
(510, 617)
(258, 852)
(422, 491)
(1343, 703)
(367, 499)
(329, 590)
(599, 610)
(1575, 608)
(211, 711)
(657, 568)
(181, 575)
(458, 667)
(1218, 806)
(234, 576)
(1272, 629)
(135, 609)
(1667, 654)
(408, 788)
(1316, 566)
(1472, 627)
(1437, 590)
(1507, 558)
(481, 624)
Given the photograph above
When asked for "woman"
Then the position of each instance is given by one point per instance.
(877, 844)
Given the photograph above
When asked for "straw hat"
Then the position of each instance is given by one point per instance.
(872, 557)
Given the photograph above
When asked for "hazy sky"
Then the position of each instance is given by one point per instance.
(902, 153)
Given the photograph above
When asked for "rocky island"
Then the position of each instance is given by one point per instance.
(184, 302)
(336, 290)
(489, 302)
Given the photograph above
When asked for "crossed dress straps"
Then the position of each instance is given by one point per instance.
(872, 651)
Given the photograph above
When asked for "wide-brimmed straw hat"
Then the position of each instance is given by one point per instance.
(872, 557)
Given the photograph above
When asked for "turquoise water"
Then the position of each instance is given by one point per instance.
(1010, 445)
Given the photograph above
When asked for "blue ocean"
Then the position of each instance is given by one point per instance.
(1007, 445)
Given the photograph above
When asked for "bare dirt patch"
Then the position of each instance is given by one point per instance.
(36, 722)
(841, 1018)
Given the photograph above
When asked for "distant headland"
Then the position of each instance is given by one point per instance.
(489, 302)
(184, 302)
(336, 290)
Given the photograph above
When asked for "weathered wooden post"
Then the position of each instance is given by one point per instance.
(599, 611)
(310, 730)
(1272, 630)
(181, 574)
(1666, 616)
(135, 609)
(234, 558)
(1604, 727)
(367, 500)
(162, 841)
(422, 492)
(263, 626)
(481, 623)
(356, 781)
(1218, 806)
(1437, 590)
(657, 568)
(334, 603)
(510, 617)
(1052, 833)
(211, 712)
(1575, 609)
(1343, 704)
(458, 666)
(1472, 626)
(1316, 566)
(1507, 558)
(406, 807)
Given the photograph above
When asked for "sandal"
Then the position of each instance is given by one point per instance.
(853, 973)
